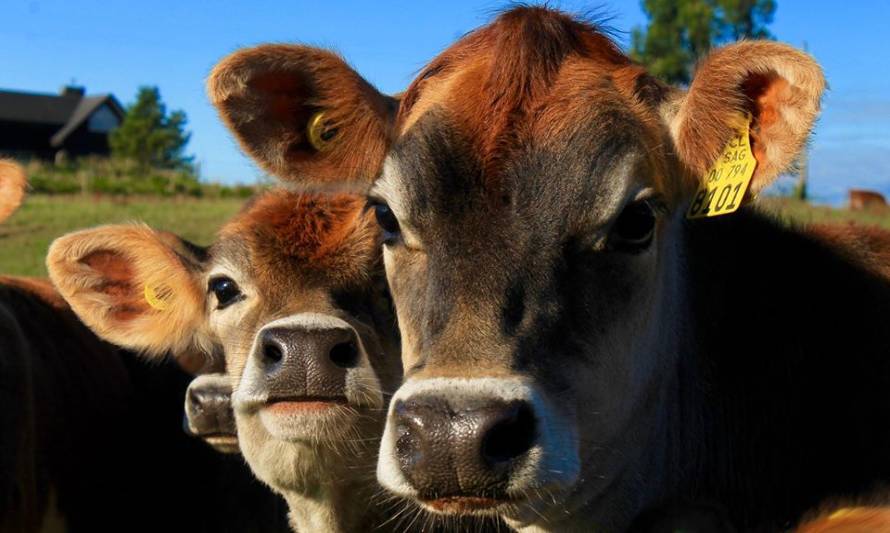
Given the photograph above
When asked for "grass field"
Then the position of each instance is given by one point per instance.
(24, 238)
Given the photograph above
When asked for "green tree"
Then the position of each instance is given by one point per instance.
(150, 136)
(681, 31)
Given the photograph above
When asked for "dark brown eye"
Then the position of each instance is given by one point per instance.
(634, 228)
(387, 221)
(225, 290)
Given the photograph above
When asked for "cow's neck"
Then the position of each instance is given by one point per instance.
(333, 504)
(771, 397)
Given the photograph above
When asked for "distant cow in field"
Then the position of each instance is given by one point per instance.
(861, 200)
(293, 295)
(91, 436)
(576, 350)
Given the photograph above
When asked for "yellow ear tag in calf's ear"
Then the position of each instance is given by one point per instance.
(319, 134)
(158, 297)
(724, 186)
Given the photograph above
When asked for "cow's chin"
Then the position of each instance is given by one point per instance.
(294, 452)
(308, 419)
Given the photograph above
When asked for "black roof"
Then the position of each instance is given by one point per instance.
(67, 110)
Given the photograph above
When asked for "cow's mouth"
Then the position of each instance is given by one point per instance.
(304, 404)
(307, 417)
(222, 442)
(467, 504)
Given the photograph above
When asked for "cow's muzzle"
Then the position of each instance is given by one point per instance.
(462, 446)
(208, 412)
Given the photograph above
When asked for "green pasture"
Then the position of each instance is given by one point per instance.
(24, 238)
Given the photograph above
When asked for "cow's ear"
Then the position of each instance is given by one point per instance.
(133, 286)
(779, 86)
(12, 187)
(303, 114)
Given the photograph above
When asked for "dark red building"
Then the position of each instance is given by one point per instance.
(47, 126)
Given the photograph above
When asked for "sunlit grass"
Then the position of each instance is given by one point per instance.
(802, 212)
(25, 237)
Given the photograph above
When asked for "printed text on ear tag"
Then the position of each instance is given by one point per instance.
(157, 297)
(723, 187)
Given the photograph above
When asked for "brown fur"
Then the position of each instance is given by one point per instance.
(861, 200)
(850, 520)
(40, 287)
(12, 187)
(868, 246)
(493, 99)
(851, 515)
(90, 436)
(328, 237)
(267, 94)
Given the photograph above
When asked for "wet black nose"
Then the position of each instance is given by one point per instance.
(308, 362)
(470, 450)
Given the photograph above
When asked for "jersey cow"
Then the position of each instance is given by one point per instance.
(575, 349)
(293, 295)
(91, 436)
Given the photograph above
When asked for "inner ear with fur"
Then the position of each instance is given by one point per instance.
(133, 286)
(766, 93)
(117, 282)
(780, 87)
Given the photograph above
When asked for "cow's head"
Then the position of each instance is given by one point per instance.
(532, 201)
(292, 294)
(12, 187)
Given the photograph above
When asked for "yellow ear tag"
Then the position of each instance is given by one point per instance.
(318, 133)
(724, 186)
(157, 297)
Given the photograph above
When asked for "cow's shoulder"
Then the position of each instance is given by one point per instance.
(865, 244)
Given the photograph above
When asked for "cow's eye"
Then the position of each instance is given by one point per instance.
(634, 227)
(387, 221)
(225, 290)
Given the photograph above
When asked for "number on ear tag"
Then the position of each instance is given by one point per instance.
(724, 186)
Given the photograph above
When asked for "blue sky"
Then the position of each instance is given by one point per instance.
(115, 46)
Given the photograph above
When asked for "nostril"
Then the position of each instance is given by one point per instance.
(511, 436)
(345, 354)
(272, 353)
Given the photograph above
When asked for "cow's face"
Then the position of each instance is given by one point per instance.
(291, 295)
(531, 198)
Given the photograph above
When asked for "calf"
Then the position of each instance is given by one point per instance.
(575, 349)
(292, 294)
(90, 435)
(209, 414)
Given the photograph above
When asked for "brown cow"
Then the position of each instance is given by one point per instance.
(91, 437)
(575, 350)
(861, 200)
(292, 294)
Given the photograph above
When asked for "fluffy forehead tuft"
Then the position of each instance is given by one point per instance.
(324, 234)
(513, 81)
